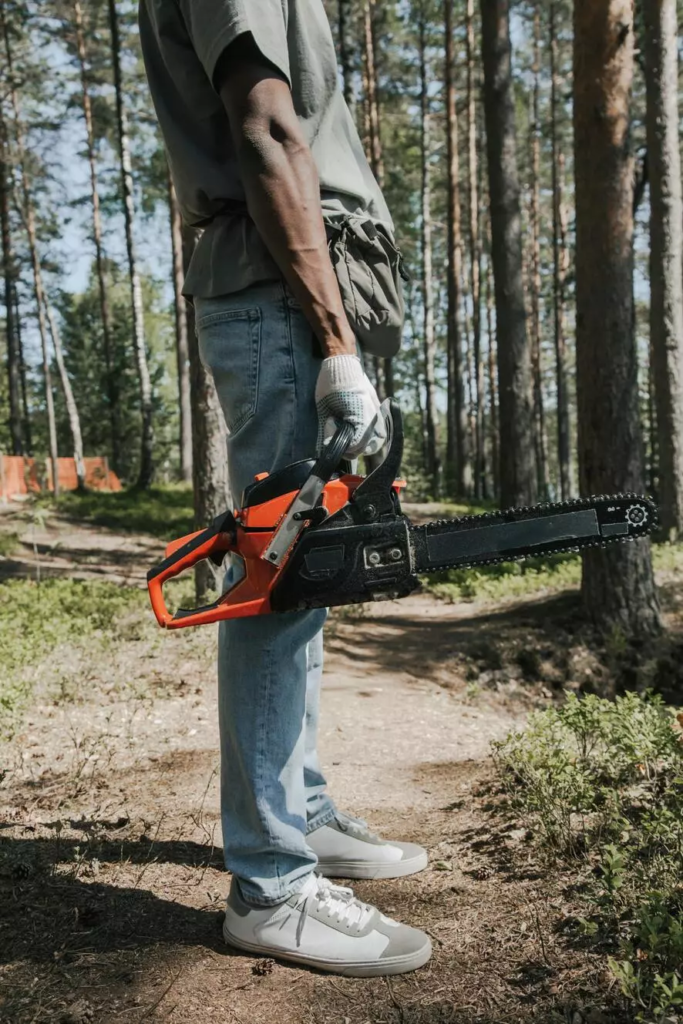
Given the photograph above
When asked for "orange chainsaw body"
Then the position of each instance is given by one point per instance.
(250, 533)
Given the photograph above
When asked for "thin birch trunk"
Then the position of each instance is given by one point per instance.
(560, 271)
(146, 473)
(456, 415)
(433, 467)
(182, 343)
(113, 400)
(475, 251)
(666, 253)
(71, 407)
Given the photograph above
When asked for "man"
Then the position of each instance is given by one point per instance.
(248, 99)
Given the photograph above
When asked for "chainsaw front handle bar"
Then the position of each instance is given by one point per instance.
(221, 537)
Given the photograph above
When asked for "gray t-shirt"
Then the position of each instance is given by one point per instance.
(182, 41)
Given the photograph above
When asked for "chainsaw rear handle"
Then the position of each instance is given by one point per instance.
(213, 543)
(220, 538)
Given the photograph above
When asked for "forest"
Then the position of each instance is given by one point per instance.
(530, 154)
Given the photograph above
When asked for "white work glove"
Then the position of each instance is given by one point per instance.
(344, 394)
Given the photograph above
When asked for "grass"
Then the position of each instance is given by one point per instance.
(533, 576)
(600, 785)
(165, 511)
(8, 544)
(37, 618)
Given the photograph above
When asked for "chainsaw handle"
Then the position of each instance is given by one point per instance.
(213, 543)
(333, 452)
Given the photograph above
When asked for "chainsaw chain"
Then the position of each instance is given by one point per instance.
(569, 505)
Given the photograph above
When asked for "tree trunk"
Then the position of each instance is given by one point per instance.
(182, 349)
(666, 253)
(345, 50)
(9, 273)
(540, 438)
(26, 422)
(560, 269)
(618, 586)
(112, 388)
(433, 467)
(475, 253)
(383, 368)
(458, 474)
(42, 305)
(71, 407)
(209, 452)
(517, 470)
(493, 400)
(146, 473)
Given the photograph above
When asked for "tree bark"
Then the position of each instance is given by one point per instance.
(618, 586)
(9, 275)
(540, 438)
(666, 253)
(112, 388)
(475, 253)
(209, 452)
(383, 368)
(70, 401)
(493, 400)
(26, 422)
(345, 50)
(458, 473)
(433, 466)
(560, 270)
(182, 343)
(146, 472)
(517, 469)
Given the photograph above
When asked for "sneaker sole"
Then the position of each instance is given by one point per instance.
(370, 870)
(352, 969)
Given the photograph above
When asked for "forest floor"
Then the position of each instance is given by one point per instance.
(111, 876)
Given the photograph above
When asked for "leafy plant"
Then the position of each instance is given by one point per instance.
(603, 781)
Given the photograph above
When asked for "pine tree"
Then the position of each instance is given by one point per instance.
(618, 586)
(517, 470)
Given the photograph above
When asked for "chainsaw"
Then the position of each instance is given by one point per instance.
(312, 536)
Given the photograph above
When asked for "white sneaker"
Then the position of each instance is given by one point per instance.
(325, 926)
(346, 848)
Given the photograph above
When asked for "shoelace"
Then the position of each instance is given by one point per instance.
(355, 824)
(340, 902)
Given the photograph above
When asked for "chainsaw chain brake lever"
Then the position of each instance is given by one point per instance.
(304, 508)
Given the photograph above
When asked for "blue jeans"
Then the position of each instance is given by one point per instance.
(265, 361)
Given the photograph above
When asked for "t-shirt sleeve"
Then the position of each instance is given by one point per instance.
(214, 24)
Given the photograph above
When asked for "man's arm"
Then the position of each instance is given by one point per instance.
(282, 189)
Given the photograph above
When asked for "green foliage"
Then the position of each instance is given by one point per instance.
(603, 781)
(8, 544)
(37, 618)
(163, 511)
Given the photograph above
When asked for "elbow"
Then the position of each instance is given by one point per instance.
(265, 140)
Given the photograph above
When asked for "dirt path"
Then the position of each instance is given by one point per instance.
(111, 879)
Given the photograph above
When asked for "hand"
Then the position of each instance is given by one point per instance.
(344, 394)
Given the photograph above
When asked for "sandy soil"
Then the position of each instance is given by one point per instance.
(111, 876)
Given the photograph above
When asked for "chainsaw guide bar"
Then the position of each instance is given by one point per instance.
(309, 537)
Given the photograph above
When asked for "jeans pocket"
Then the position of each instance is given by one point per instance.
(230, 347)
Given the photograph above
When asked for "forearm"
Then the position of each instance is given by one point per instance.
(283, 197)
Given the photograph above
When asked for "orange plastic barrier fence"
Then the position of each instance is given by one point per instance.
(20, 475)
